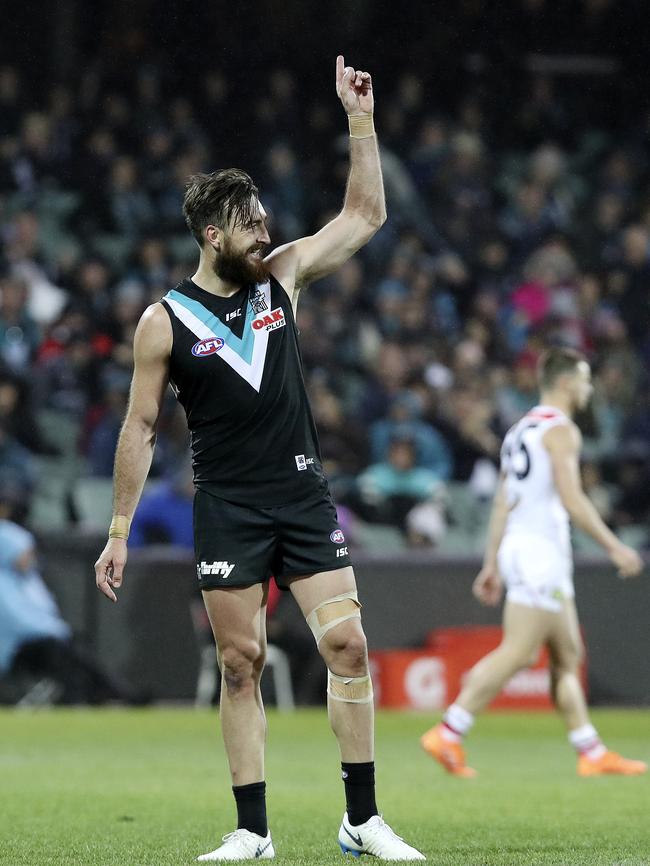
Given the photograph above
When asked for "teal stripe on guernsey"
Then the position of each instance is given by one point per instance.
(243, 347)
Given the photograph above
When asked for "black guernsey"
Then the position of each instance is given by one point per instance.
(236, 369)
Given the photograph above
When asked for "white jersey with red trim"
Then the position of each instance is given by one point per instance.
(535, 505)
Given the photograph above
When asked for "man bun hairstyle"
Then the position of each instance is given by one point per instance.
(556, 362)
(219, 198)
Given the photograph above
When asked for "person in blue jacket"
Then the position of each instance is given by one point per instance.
(35, 640)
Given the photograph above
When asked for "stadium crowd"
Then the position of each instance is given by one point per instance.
(516, 219)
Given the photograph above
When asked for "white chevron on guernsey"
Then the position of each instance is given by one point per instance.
(251, 373)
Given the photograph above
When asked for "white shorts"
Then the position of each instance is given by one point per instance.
(536, 572)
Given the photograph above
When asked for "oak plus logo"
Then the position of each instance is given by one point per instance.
(270, 322)
(219, 568)
(207, 347)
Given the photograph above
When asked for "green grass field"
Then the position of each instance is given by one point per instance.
(150, 788)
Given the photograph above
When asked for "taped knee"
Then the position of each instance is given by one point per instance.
(350, 690)
(333, 612)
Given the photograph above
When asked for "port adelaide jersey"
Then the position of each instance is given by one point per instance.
(236, 369)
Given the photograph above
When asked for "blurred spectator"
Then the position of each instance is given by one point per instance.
(91, 290)
(519, 395)
(129, 211)
(102, 438)
(634, 288)
(284, 192)
(632, 502)
(528, 220)
(65, 374)
(342, 439)
(152, 266)
(12, 105)
(164, 514)
(35, 641)
(467, 421)
(17, 415)
(391, 489)
(20, 336)
(24, 251)
(16, 462)
(404, 423)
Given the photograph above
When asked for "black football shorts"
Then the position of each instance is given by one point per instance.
(239, 545)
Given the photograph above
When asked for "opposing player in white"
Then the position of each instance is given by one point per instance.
(529, 551)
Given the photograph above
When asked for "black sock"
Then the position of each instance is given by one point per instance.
(359, 780)
(251, 807)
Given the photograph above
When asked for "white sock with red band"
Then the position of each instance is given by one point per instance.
(456, 722)
(585, 741)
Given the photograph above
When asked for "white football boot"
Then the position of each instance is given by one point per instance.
(242, 845)
(375, 837)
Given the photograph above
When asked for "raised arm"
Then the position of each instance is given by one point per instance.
(563, 444)
(301, 262)
(152, 345)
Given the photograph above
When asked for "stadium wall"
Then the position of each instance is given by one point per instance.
(148, 636)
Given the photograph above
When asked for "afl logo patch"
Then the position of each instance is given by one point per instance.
(337, 536)
(207, 347)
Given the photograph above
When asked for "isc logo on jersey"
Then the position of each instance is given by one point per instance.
(269, 321)
(207, 347)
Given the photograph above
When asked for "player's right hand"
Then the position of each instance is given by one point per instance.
(354, 88)
(110, 567)
(488, 586)
(627, 560)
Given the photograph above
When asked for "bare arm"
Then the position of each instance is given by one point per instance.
(563, 444)
(297, 264)
(488, 585)
(497, 525)
(152, 345)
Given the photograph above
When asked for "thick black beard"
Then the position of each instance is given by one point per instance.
(235, 269)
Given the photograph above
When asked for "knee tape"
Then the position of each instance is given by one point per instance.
(351, 690)
(333, 612)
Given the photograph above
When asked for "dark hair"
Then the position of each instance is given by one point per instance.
(555, 362)
(217, 199)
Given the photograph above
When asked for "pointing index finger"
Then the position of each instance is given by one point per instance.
(340, 65)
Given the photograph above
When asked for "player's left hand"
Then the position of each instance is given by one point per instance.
(627, 560)
(354, 88)
(488, 586)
